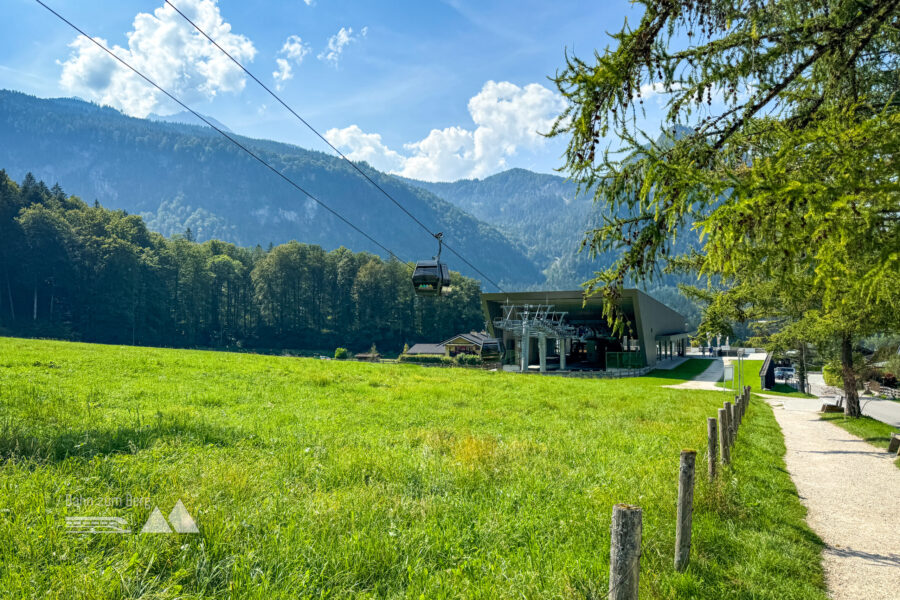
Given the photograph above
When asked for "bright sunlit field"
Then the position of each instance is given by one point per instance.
(312, 479)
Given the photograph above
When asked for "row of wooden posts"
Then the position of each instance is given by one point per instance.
(625, 544)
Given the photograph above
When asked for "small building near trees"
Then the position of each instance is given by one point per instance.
(474, 343)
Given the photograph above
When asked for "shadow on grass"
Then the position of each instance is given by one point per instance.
(58, 443)
(877, 440)
(683, 372)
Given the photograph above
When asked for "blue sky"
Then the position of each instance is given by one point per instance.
(437, 90)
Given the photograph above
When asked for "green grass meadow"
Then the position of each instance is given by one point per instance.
(871, 430)
(750, 371)
(326, 479)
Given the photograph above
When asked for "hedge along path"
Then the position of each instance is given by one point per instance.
(852, 492)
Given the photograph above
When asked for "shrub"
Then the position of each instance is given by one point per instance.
(832, 376)
(468, 359)
(340, 353)
(428, 359)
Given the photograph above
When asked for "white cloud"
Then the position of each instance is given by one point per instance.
(338, 41)
(169, 51)
(284, 71)
(358, 145)
(648, 90)
(293, 50)
(507, 118)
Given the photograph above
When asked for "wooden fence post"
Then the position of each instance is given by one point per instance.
(732, 420)
(711, 441)
(685, 509)
(729, 421)
(625, 552)
(723, 436)
(738, 409)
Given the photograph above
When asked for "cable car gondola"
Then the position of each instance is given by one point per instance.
(431, 276)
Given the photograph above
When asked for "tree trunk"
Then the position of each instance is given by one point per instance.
(34, 317)
(851, 403)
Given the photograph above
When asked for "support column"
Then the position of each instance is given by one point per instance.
(526, 348)
(562, 353)
(542, 351)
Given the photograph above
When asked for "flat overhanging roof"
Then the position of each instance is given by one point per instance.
(570, 301)
(579, 309)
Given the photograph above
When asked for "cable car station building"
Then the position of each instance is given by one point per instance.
(563, 331)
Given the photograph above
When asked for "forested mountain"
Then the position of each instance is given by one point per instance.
(188, 118)
(181, 176)
(72, 270)
(523, 229)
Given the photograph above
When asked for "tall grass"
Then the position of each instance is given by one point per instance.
(313, 479)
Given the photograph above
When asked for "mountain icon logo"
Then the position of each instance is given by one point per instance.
(181, 521)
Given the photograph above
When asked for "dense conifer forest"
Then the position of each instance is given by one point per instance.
(77, 271)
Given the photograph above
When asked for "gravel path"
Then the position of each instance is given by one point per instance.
(852, 491)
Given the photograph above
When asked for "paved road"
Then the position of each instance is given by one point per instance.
(670, 363)
(852, 492)
(705, 380)
(708, 379)
(886, 411)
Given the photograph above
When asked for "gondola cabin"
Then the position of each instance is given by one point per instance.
(430, 278)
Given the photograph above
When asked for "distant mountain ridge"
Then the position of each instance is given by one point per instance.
(178, 176)
(188, 118)
(548, 220)
(542, 214)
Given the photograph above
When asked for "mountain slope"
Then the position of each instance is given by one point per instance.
(540, 213)
(180, 176)
(187, 118)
